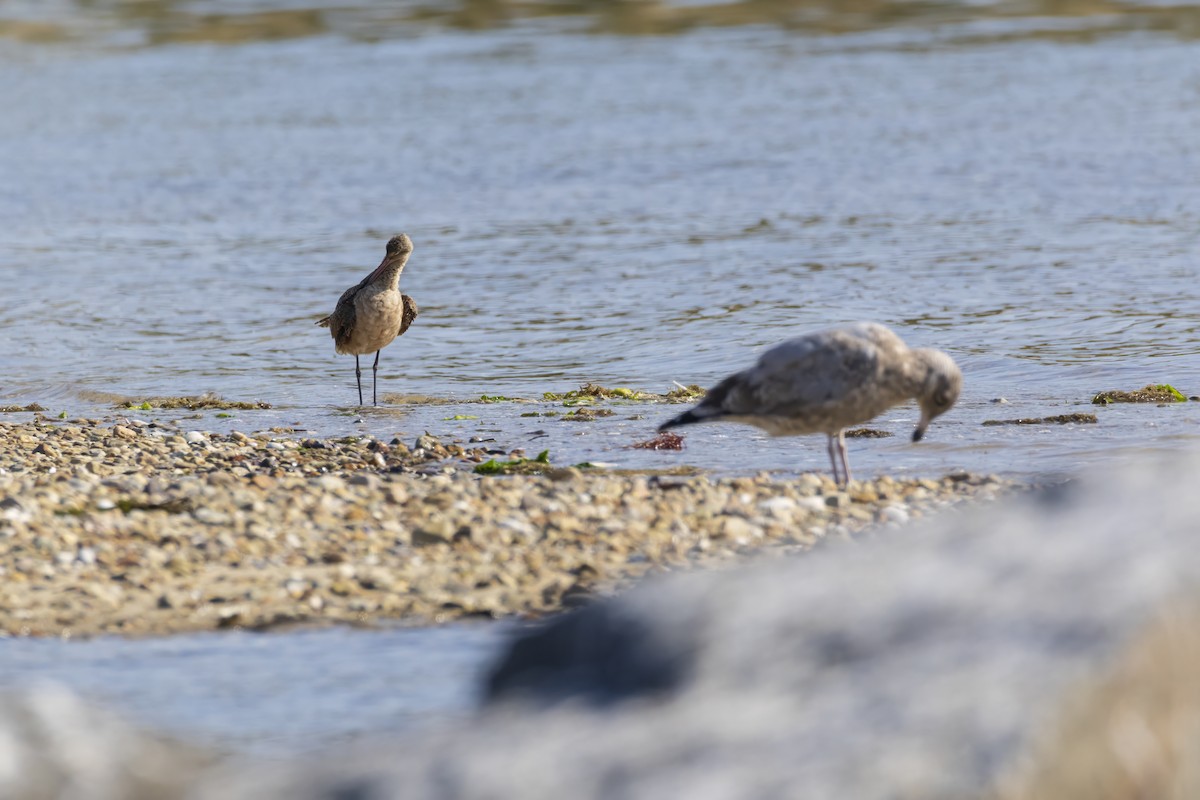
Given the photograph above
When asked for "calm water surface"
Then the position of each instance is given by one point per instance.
(625, 210)
(629, 211)
(274, 694)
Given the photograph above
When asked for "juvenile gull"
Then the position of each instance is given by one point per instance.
(825, 381)
(373, 313)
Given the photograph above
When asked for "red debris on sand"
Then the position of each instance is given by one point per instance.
(664, 441)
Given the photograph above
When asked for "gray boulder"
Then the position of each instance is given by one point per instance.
(923, 664)
(55, 746)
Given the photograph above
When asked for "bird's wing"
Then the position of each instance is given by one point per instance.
(803, 373)
(341, 321)
(410, 313)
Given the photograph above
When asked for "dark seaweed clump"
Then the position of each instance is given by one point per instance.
(866, 433)
(664, 441)
(1061, 419)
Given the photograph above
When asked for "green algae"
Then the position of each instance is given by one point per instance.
(685, 394)
(587, 414)
(394, 399)
(590, 393)
(201, 402)
(1153, 393)
(515, 466)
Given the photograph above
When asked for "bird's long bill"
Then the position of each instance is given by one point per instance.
(919, 433)
(379, 270)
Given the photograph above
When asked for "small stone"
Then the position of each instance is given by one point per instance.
(194, 437)
(864, 494)
(211, 516)
(738, 529)
(814, 504)
(435, 530)
(123, 432)
(778, 507)
(331, 483)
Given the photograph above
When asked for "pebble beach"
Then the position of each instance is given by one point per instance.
(123, 526)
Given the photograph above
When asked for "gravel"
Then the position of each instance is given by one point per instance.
(137, 529)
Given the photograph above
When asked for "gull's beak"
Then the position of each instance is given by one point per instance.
(919, 433)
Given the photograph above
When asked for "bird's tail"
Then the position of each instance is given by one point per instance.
(324, 323)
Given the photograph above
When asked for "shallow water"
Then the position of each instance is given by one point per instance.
(1019, 191)
(275, 694)
(629, 211)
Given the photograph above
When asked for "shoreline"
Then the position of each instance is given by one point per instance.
(143, 529)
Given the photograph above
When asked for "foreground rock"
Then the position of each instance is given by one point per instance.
(1044, 650)
(1015, 653)
(53, 745)
(140, 530)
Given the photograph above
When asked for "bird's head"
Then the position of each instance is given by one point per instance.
(939, 391)
(399, 244)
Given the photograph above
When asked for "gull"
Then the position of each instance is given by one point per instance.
(827, 380)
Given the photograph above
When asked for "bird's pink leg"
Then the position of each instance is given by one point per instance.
(841, 444)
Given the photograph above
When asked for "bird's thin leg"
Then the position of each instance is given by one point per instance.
(358, 377)
(375, 378)
(841, 441)
(833, 462)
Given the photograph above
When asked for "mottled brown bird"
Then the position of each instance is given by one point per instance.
(373, 313)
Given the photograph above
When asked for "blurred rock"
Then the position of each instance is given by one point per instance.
(54, 745)
(931, 662)
(922, 665)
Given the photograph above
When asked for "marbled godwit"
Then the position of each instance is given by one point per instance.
(827, 380)
(373, 313)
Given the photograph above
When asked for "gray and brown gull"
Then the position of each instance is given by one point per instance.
(828, 380)
(371, 314)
